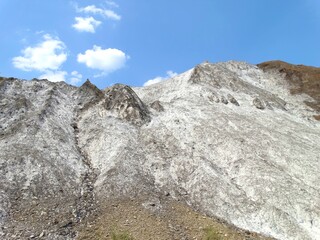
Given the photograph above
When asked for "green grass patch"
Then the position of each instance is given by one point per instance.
(121, 236)
(211, 234)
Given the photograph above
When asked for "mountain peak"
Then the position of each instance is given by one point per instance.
(233, 141)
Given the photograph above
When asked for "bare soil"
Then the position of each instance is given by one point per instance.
(150, 221)
(302, 79)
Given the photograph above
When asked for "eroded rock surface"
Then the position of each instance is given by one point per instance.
(67, 152)
(126, 103)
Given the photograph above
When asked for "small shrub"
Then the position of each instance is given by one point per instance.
(121, 236)
(211, 234)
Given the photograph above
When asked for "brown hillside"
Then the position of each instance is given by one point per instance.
(129, 219)
(303, 79)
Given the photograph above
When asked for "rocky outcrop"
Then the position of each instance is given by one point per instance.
(125, 102)
(232, 77)
(67, 153)
(233, 100)
(88, 95)
(156, 105)
(258, 104)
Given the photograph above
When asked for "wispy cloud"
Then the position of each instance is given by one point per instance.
(88, 24)
(47, 55)
(170, 74)
(104, 12)
(75, 77)
(106, 60)
(54, 76)
(61, 76)
(112, 4)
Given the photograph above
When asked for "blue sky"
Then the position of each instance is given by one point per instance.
(134, 41)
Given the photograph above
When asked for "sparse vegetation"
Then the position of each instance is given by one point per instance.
(121, 236)
(211, 234)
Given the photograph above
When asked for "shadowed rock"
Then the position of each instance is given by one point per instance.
(258, 104)
(156, 105)
(233, 100)
(126, 103)
(88, 95)
(224, 100)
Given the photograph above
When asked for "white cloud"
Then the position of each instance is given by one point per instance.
(88, 24)
(75, 77)
(60, 76)
(54, 76)
(104, 12)
(170, 74)
(106, 60)
(47, 55)
(112, 4)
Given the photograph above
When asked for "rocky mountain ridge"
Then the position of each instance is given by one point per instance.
(231, 140)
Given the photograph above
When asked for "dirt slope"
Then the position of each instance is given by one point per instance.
(302, 79)
(158, 220)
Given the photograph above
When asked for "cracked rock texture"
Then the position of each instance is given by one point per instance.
(230, 139)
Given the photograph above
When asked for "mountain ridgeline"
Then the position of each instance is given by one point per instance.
(230, 147)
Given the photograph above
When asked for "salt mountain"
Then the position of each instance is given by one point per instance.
(234, 141)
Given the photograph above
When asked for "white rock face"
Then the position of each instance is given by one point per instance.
(227, 138)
